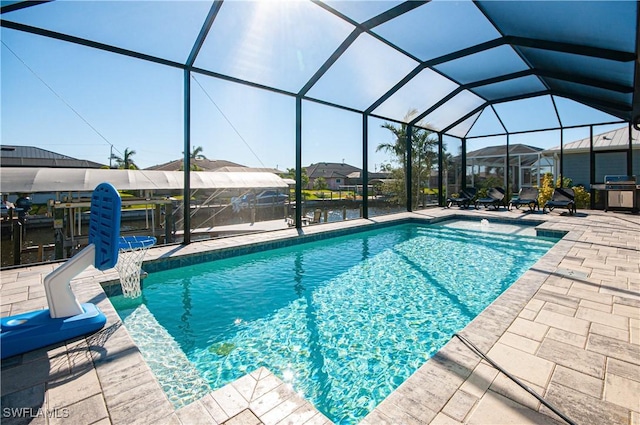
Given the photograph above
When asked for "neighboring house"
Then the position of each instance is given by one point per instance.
(335, 174)
(30, 156)
(610, 150)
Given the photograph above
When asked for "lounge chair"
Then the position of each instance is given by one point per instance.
(494, 198)
(464, 198)
(562, 198)
(527, 196)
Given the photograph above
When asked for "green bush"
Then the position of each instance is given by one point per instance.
(582, 197)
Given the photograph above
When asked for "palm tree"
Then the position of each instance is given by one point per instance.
(195, 154)
(399, 147)
(291, 174)
(422, 155)
(125, 162)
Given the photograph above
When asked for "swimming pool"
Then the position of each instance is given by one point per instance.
(344, 320)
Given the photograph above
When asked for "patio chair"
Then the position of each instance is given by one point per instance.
(464, 198)
(527, 196)
(562, 198)
(494, 198)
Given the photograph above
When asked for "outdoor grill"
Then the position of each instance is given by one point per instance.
(622, 193)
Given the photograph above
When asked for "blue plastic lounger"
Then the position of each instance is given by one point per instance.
(66, 318)
(527, 196)
(494, 198)
(464, 198)
(562, 198)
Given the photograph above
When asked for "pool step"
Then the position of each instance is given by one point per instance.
(179, 379)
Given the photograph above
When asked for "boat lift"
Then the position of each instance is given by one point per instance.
(69, 217)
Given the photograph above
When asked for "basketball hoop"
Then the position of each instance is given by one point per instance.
(131, 253)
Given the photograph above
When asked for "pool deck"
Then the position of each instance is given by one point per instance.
(569, 328)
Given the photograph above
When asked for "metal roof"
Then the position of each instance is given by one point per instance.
(7, 151)
(31, 156)
(33, 180)
(464, 66)
(611, 140)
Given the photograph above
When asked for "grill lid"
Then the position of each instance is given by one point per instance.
(620, 179)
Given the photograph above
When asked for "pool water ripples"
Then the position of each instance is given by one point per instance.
(343, 321)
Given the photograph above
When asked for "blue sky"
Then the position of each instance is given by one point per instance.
(80, 101)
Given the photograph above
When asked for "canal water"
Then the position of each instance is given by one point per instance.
(45, 236)
(36, 235)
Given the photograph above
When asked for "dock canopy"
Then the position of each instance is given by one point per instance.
(33, 180)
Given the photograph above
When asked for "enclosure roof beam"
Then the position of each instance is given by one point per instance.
(204, 31)
(552, 74)
(359, 29)
(84, 42)
(21, 5)
(488, 103)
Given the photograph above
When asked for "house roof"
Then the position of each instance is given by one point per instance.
(330, 170)
(204, 164)
(31, 156)
(614, 139)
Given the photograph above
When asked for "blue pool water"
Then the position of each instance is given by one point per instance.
(344, 321)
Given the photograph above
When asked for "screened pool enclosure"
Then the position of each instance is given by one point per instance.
(402, 92)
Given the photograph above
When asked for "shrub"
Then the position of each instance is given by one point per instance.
(582, 197)
(546, 189)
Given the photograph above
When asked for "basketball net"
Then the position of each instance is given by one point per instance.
(129, 267)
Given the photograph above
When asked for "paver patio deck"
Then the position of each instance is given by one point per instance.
(569, 328)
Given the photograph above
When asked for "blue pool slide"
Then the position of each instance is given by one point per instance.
(66, 318)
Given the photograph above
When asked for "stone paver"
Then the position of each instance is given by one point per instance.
(536, 370)
(459, 405)
(623, 392)
(569, 329)
(497, 409)
(584, 409)
(583, 361)
(529, 329)
(563, 321)
(580, 381)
